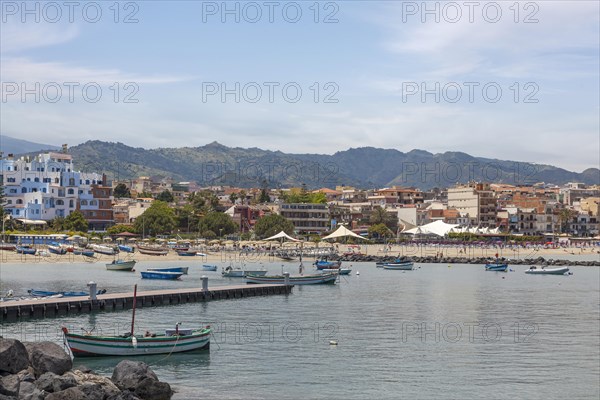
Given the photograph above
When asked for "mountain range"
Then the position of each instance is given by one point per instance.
(10, 145)
(365, 167)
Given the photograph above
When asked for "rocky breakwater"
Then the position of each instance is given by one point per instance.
(44, 371)
(468, 260)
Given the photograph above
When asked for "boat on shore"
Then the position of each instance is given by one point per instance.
(327, 278)
(207, 267)
(48, 293)
(186, 253)
(153, 251)
(183, 270)
(106, 250)
(125, 248)
(25, 250)
(401, 266)
(121, 265)
(78, 251)
(534, 270)
(7, 246)
(57, 249)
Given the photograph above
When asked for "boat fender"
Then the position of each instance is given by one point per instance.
(134, 341)
(64, 330)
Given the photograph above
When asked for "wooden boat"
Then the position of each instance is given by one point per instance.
(402, 266)
(126, 249)
(533, 270)
(186, 253)
(230, 272)
(153, 251)
(25, 250)
(56, 249)
(83, 252)
(7, 246)
(121, 265)
(328, 278)
(340, 271)
(161, 275)
(207, 267)
(183, 270)
(499, 267)
(100, 249)
(47, 293)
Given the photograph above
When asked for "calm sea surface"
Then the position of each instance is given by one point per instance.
(437, 332)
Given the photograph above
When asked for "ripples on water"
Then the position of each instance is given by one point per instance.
(456, 332)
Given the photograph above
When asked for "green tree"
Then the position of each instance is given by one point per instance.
(272, 224)
(165, 196)
(2, 201)
(296, 195)
(58, 224)
(76, 222)
(565, 216)
(380, 231)
(233, 197)
(218, 222)
(120, 228)
(243, 196)
(187, 218)
(158, 219)
(381, 216)
(121, 190)
(264, 196)
(145, 195)
(204, 201)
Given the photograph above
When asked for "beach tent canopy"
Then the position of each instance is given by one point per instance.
(342, 231)
(31, 221)
(438, 228)
(282, 235)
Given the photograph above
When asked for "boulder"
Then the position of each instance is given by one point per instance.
(9, 385)
(124, 395)
(28, 391)
(128, 374)
(49, 357)
(50, 382)
(92, 385)
(5, 397)
(150, 389)
(72, 393)
(13, 356)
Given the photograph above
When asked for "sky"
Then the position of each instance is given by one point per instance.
(507, 80)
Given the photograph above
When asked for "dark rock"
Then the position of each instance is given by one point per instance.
(50, 382)
(124, 395)
(5, 397)
(128, 374)
(28, 391)
(72, 393)
(9, 385)
(13, 356)
(49, 357)
(150, 389)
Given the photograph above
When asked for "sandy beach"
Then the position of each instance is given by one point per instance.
(229, 255)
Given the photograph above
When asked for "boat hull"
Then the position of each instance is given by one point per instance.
(25, 250)
(340, 271)
(548, 271)
(90, 346)
(109, 251)
(57, 250)
(183, 270)
(153, 252)
(295, 280)
(171, 276)
(407, 266)
(496, 267)
(121, 266)
(209, 267)
(186, 253)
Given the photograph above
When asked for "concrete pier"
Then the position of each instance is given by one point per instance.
(11, 311)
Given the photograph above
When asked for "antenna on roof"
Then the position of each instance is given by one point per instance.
(65, 148)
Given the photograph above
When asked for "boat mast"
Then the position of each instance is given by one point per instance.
(134, 304)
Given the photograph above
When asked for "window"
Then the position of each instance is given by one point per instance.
(23, 190)
(71, 181)
(71, 191)
(19, 201)
(60, 203)
(56, 180)
(71, 203)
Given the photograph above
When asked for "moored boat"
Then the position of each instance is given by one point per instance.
(125, 248)
(230, 272)
(340, 271)
(153, 251)
(161, 275)
(328, 278)
(183, 270)
(121, 265)
(106, 250)
(533, 270)
(500, 267)
(172, 341)
(207, 267)
(48, 293)
(325, 264)
(401, 266)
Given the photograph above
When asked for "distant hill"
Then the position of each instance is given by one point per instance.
(12, 145)
(365, 167)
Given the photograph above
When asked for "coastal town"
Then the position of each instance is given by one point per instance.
(41, 192)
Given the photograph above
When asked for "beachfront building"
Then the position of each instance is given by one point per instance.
(476, 200)
(400, 195)
(575, 192)
(46, 186)
(307, 217)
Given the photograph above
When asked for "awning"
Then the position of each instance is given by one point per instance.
(31, 221)
(282, 235)
(342, 231)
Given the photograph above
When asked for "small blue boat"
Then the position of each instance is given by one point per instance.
(501, 267)
(25, 250)
(56, 248)
(186, 253)
(324, 264)
(183, 270)
(161, 275)
(207, 267)
(402, 266)
(84, 252)
(126, 249)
